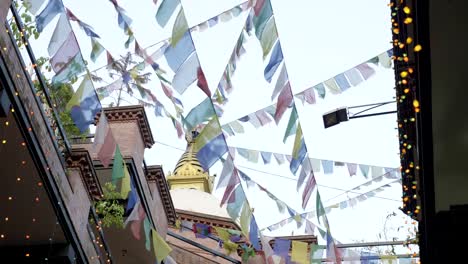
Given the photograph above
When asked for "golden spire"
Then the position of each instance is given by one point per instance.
(189, 173)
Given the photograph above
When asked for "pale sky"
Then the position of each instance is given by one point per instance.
(320, 39)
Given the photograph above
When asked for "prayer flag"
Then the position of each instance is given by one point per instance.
(117, 166)
(133, 215)
(53, 8)
(309, 96)
(201, 230)
(327, 166)
(71, 70)
(229, 193)
(332, 86)
(147, 229)
(292, 124)
(226, 173)
(353, 76)
(365, 70)
(246, 214)
(233, 208)
(210, 144)
(269, 36)
(299, 252)
(161, 248)
(364, 170)
(61, 33)
(316, 253)
(135, 226)
(301, 155)
(180, 28)
(33, 5)
(202, 83)
(309, 188)
(320, 90)
(199, 114)
(107, 148)
(275, 60)
(96, 49)
(84, 105)
(352, 168)
(67, 51)
(319, 207)
(261, 17)
(266, 156)
(263, 117)
(279, 158)
(186, 74)
(284, 100)
(253, 234)
(377, 171)
(305, 171)
(176, 55)
(125, 185)
(281, 248)
(165, 11)
(342, 82)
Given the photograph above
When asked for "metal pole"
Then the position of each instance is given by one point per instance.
(205, 248)
(374, 244)
(360, 106)
(399, 256)
(374, 114)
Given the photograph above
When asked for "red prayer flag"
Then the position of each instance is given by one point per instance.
(284, 100)
(106, 153)
(202, 83)
(309, 188)
(135, 226)
(258, 6)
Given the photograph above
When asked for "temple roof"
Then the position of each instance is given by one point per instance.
(198, 201)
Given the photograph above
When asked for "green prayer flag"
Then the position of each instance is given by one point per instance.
(269, 36)
(180, 27)
(96, 49)
(118, 166)
(332, 86)
(147, 228)
(199, 114)
(292, 124)
(237, 127)
(316, 253)
(319, 207)
(245, 219)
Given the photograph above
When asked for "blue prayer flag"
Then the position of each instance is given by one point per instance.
(53, 8)
(84, 105)
(275, 60)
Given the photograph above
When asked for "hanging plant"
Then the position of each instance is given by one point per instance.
(111, 209)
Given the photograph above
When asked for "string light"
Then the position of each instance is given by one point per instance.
(405, 47)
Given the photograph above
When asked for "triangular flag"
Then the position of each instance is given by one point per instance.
(118, 166)
(161, 248)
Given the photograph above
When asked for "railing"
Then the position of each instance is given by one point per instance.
(49, 113)
(97, 236)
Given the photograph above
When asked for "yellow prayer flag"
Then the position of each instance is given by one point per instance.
(125, 187)
(245, 219)
(299, 252)
(161, 248)
(389, 259)
(222, 233)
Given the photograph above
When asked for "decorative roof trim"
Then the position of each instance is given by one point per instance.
(207, 219)
(130, 113)
(156, 174)
(80, 159)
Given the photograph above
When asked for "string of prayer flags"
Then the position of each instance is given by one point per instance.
(343, 81)
(53, 8)
(86, 28)
(210, 144)
(84, 105)
(160, 247)
(96, 49)
(201, 230)
(124, 22)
